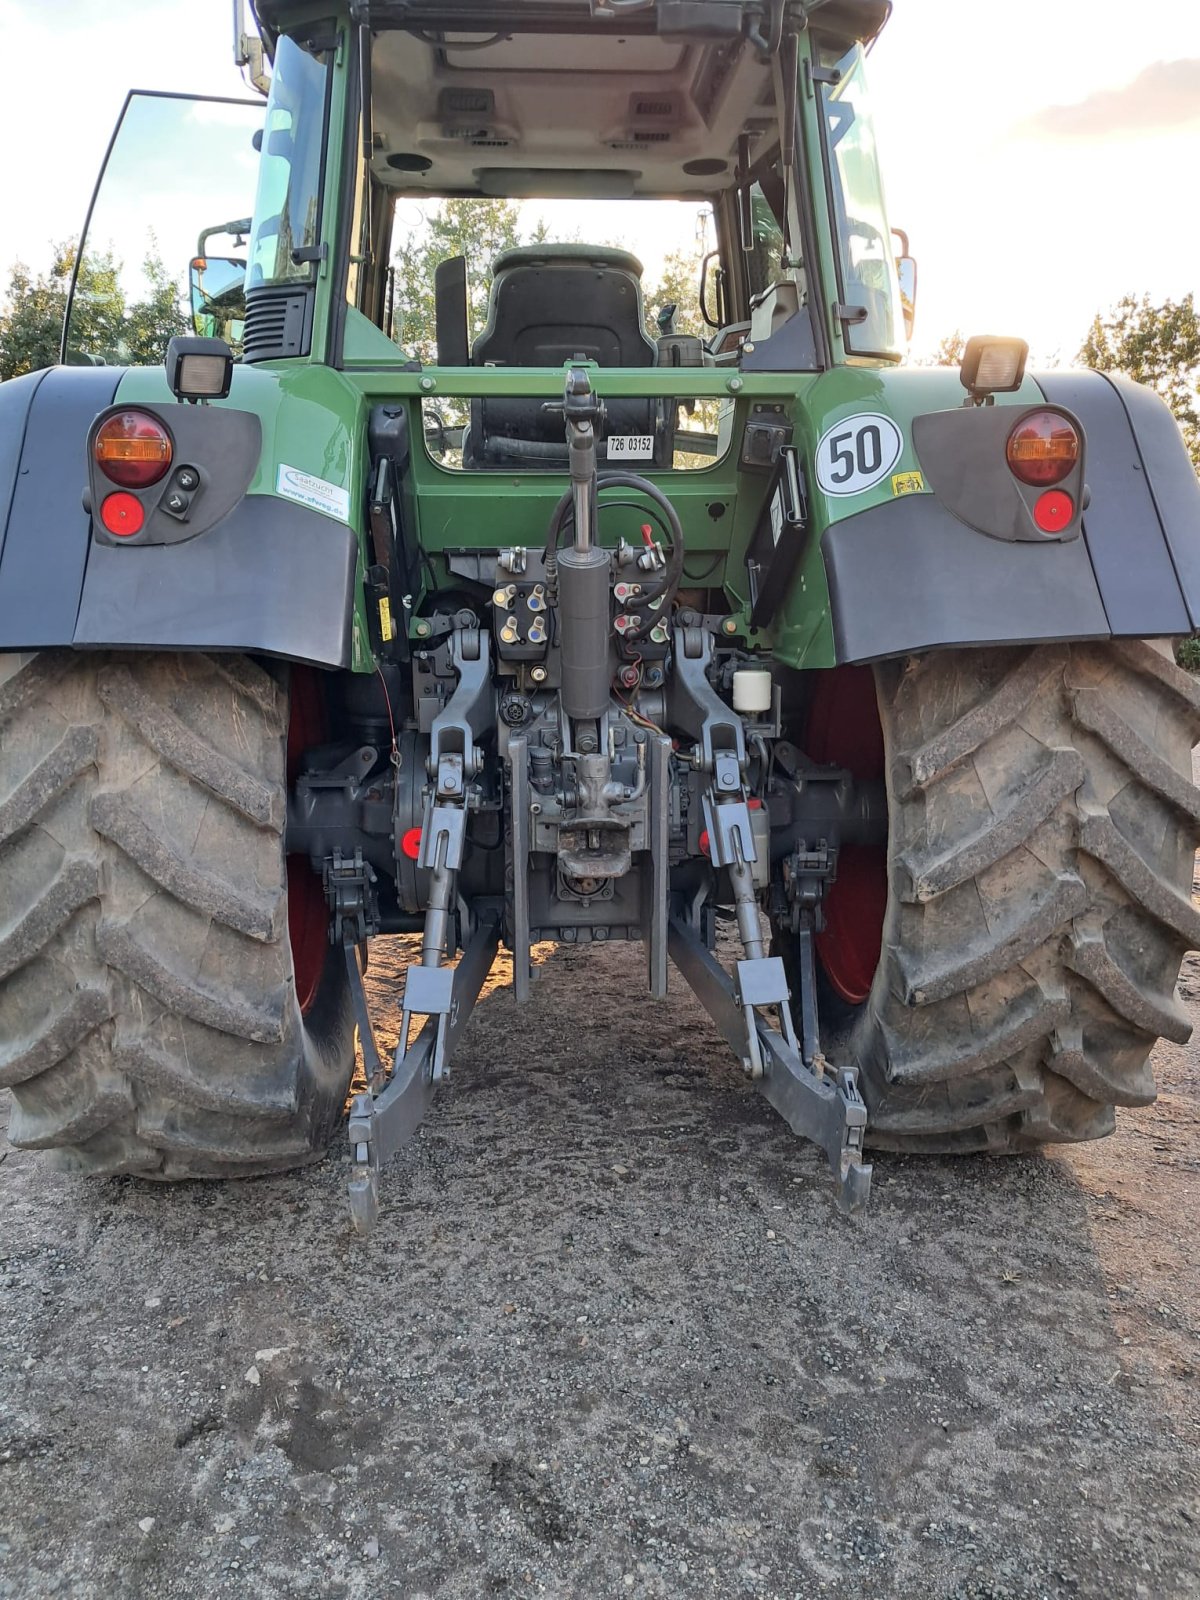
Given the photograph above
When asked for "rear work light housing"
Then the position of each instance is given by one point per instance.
(992, 365)
(199, 370)
(133, 450)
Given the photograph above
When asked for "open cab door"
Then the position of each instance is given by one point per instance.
(168, 218)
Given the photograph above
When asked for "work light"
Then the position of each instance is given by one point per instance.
(199, 369)
(992, 365)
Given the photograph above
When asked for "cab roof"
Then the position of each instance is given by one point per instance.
(860, 19)
(556, 97)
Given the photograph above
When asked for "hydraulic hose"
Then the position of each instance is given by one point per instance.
(667, 583)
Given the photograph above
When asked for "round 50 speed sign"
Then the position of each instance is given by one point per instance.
(854, 455)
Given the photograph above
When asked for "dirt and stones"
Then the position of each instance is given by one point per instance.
(611, 1338)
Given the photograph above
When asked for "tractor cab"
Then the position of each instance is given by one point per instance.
(585, 167)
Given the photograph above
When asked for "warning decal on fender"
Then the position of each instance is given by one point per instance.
(855, 455)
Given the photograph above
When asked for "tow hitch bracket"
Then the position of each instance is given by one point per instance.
(822, 1106)
(381, 1123)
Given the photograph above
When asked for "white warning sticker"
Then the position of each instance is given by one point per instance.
(631, 447)
(317, 493)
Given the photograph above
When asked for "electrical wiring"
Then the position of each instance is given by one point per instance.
(391, 718)
(699, 577)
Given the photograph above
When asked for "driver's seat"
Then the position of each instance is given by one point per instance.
(551, 304)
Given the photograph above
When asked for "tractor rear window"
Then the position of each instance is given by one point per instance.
(612, 271)
(541, 283)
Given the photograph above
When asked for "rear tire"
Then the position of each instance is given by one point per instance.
(1042, 838)
(149, 1019)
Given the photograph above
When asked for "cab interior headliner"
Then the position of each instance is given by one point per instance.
(535, 112)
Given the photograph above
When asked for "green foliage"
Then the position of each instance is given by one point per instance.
(152, 323)
(103, 323)
(31, 319)
(679, 285)
(949, 352)
(1156, 345)
(1187, 653)
(477, 229)
(480, 230)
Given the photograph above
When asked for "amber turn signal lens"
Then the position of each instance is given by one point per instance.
(133, 449)
(122, 515)
(1043, 449)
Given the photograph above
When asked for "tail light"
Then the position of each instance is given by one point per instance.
(1053, 511)
(1043, 449)
(133, 449)
(122, 514)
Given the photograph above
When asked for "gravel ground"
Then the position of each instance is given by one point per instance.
(611, 1338)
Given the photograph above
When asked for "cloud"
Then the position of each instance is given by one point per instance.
(1165, 95)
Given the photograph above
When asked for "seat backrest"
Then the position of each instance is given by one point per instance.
(553, 302)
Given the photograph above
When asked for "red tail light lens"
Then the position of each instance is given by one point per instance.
(1043, 449)
(122, 515)
(1053, 511)
(133, 449)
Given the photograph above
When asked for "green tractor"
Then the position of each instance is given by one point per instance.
(386, 605)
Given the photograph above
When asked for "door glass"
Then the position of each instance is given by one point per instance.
(868, 269)
(179, 173)
(287, 213)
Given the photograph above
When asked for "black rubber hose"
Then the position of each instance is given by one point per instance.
(621, 480)
(663, 587)
(673, 571)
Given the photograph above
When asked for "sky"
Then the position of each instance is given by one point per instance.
(1041, 154)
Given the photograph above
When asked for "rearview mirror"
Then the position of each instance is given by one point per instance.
(715, 317)
(906, 272)
(218, 294)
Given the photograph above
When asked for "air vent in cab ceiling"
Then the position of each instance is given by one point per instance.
(655, 107)
(465, 102)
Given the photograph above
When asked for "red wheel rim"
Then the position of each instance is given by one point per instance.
(844, 731)
(308, 915)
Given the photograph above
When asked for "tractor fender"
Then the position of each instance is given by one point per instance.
(270, 576)
(909, 575)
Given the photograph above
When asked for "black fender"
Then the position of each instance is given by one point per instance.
(269, 577)
(909, 575)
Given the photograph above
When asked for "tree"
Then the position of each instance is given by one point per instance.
(949, 352)
(1157, 345)
(151, 323)
(32, 317)
(476, 229)
(103, 323)
(678, 285)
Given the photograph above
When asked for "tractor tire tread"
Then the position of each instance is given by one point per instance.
(1042, 849)
(148, 1014)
